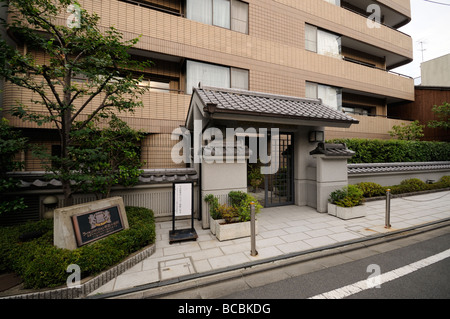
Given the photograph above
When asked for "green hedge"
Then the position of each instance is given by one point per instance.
(411, 185)
(391, 151)
(42, 265)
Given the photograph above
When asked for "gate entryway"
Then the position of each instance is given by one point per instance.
(279, 187)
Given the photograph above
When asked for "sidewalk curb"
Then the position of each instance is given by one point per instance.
(178, 284)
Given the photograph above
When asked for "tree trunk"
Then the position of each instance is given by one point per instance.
(66, 127)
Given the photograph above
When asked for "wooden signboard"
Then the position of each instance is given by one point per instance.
(183, 205)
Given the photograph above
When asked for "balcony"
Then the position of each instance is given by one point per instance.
(173, 7)
(368, 127)
(393, 15)
(161, 111)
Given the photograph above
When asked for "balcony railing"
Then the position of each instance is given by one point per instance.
(375, 67)
(367, 16)
(155, 7)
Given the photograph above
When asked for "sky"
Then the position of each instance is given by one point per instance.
(430, 25)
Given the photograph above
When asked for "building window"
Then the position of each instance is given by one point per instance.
(331, 96)
(229, 14)
(335, 2)
(322, 42)
(357, 110)
(156, 85)
(215, 76)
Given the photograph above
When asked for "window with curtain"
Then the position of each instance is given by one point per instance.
(199, 10)
(310, 38)
(328, 44)
(239, 16)
(239, 79)
(229, 14)
(322, 42)
(222, 13)
(215, 76)
(331, 96)
(335, 2)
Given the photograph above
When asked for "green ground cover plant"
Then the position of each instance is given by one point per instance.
(40, 264)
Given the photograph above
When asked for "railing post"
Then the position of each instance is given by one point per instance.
(388, 209)
(253, 251)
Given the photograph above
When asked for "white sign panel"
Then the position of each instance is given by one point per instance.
(183, 199)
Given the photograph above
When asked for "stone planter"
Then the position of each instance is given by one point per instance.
(347, 212)
(331, 209)
(234, 230)
(213, 224)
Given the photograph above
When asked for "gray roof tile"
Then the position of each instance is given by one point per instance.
(240, 101)
(373, 168)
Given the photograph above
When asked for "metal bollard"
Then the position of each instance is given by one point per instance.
(388, 209)
(253, 251)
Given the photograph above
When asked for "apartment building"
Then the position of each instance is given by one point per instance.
(328, 49)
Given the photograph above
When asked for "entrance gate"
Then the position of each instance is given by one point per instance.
(279, 187)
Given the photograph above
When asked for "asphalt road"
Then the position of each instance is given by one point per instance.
(428, 279)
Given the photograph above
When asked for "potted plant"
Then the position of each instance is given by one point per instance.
(347, 203)
(236, 217)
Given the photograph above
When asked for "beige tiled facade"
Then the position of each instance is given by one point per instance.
(273, 52)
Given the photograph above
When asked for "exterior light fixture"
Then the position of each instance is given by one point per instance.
(50, 203)
(316, 136)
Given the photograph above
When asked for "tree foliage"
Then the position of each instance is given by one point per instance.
(443, 114)
(99, 57)
(409, 132)
(11, 143)
(107, 157)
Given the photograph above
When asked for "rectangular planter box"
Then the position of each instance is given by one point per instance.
(234, 230)
(213, 224)
(332, 209)
(347, 212)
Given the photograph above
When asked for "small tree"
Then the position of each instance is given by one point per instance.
(11, 143)
(443, 113)
(409, 132)
(75, 50)
(106, 157)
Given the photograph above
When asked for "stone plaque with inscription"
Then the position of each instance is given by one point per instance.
(78, 225)
(91, 226)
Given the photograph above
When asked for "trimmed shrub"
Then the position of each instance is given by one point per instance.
(391, 151)
(371, 189)
(213, 206)
(410, 186)
(241, 201)
(348, 196)
(42, 265)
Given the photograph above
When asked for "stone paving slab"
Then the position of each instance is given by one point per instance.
(282, 230)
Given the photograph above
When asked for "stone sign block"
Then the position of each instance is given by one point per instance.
(78, 225)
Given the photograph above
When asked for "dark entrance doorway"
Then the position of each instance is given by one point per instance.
(279, 187)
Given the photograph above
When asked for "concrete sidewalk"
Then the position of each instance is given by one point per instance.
(283, 231)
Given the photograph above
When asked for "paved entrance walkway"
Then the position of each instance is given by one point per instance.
(282, 230)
